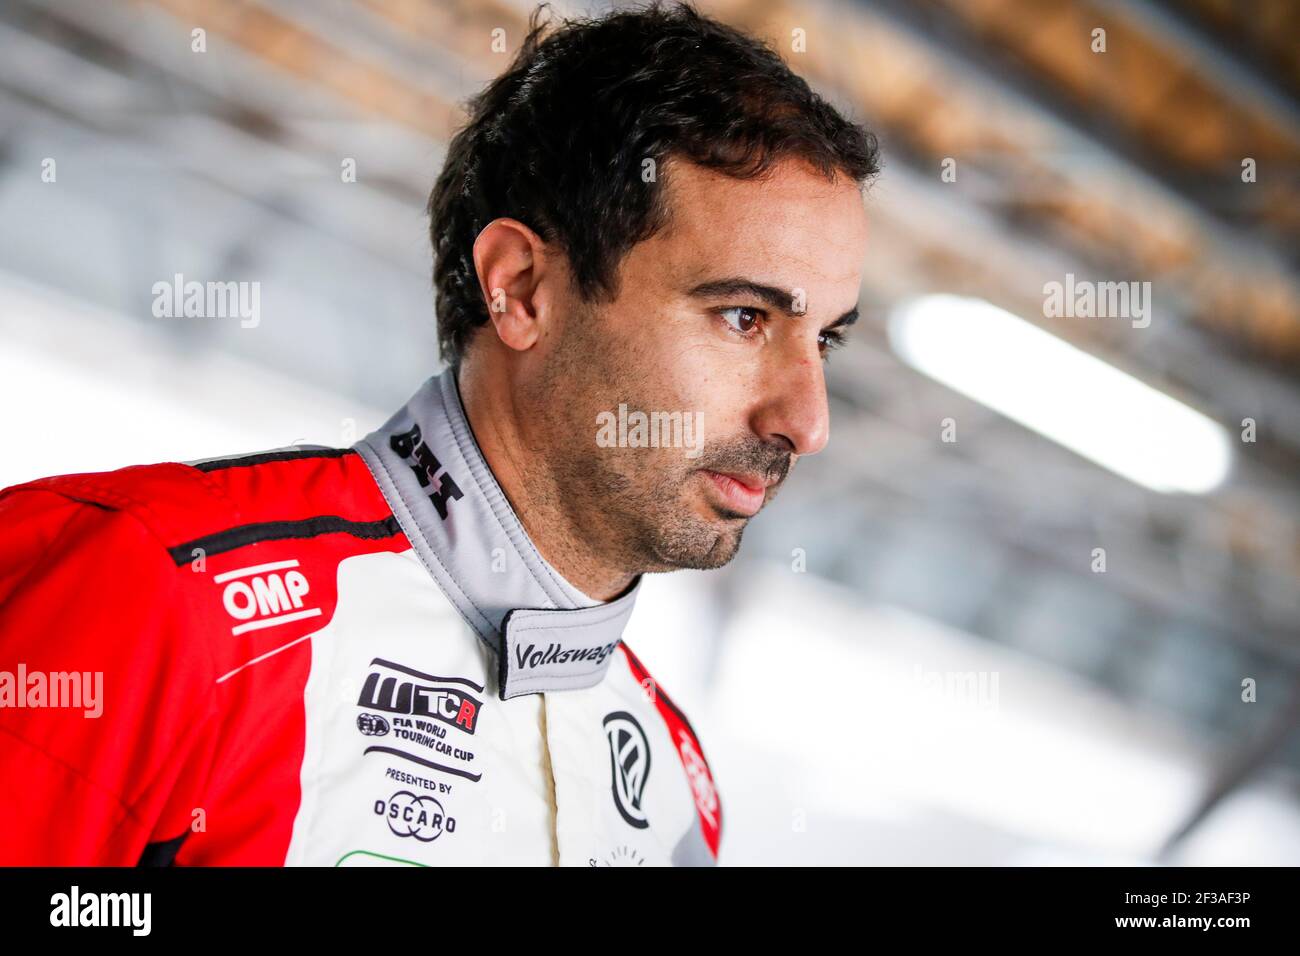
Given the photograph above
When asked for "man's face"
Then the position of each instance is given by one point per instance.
(721, 325)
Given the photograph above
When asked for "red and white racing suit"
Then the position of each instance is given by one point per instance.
(324, 657)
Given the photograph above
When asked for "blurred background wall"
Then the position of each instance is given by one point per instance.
(1023, 609)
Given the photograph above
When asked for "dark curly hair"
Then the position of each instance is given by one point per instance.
(558, 141)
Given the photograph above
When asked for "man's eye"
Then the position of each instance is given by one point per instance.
(830, 340)
(740, 318)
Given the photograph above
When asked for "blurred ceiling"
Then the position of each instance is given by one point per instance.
(1118, 165)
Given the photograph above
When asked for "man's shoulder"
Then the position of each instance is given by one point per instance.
(217, 504)
(167, 555)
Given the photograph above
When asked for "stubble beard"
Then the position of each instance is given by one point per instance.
(631, 507)
(649, 517)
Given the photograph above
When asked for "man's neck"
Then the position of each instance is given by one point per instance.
(530, 488)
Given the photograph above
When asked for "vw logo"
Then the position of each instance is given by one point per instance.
(629, 760)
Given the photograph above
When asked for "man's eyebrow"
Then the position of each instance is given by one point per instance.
(717, 288)
(848, 318)
(776, 298)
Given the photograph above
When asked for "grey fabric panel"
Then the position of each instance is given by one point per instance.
(691, 850)
(562, 649)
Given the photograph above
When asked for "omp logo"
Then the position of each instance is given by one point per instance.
(390, 687)
(697, 771)
(629, 758)
(409, 815)
(265, 595)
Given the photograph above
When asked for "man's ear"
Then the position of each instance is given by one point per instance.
(510, 260)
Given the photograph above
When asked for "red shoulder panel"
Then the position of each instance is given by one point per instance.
(171, 604)
(172, 501)
(180, 503)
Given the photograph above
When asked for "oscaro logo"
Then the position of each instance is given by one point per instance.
(421, 817)
(265, 595)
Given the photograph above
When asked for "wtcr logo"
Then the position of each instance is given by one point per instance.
(265, 595)
(390, 688)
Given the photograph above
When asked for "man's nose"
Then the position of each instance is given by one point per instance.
(796, 409)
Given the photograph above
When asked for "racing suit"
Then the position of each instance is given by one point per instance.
(324, 657)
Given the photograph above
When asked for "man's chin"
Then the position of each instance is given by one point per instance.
(720, 554)
(702, 540)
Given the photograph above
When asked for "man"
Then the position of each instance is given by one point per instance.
(409, 651)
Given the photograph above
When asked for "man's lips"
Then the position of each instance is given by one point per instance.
(742, 493)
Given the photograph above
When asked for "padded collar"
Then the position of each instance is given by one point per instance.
(548, 635)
